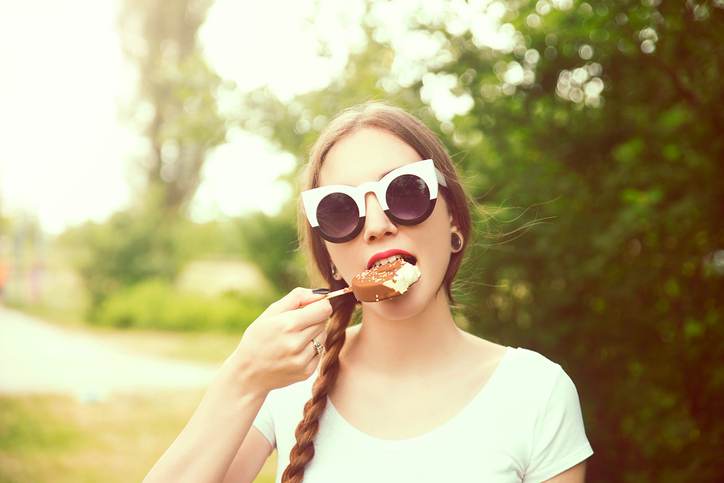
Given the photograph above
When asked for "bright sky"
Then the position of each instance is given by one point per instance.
(61, 149)
(64, 154)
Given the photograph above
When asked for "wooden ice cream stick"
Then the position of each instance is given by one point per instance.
(336, 293)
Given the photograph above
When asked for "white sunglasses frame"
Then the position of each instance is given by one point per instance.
(425, 169)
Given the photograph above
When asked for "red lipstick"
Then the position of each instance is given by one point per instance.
(389, 253)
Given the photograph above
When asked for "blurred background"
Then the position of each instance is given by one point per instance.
(148, 158)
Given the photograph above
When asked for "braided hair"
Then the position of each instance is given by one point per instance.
(409, 129)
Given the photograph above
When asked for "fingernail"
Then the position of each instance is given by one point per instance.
(321, 291)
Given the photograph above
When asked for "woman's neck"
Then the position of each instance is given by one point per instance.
(406, 348)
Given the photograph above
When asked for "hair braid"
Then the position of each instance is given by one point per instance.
(303, 451)
(417, 135)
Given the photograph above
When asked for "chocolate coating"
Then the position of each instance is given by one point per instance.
(368, 286)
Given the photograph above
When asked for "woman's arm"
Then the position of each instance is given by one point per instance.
(206, 446)
(274, 352)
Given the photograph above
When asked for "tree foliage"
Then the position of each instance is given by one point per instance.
(139, 244)
(592, 146)
(270, 242)
(177, 112)
(176, 106)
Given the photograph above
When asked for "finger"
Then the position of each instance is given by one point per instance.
(314, 358)
(307, 341)
(318, 332)
(298, 297)
(308, 352)
(314, 314)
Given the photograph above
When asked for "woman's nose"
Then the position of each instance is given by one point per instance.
(377, 223)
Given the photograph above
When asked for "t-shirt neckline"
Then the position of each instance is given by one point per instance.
(393, 443)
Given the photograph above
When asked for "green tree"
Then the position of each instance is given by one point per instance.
(270, 242)
(176, 105)
(597, 124)
(132, 246)
(142, 243)
(177, 112)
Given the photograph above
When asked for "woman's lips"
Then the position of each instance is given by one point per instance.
(409, 257)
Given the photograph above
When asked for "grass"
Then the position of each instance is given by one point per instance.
(53, 438)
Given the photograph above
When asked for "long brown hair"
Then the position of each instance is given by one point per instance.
(409, 129)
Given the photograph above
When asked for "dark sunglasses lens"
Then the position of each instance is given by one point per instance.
(408, 197)
(337, 215)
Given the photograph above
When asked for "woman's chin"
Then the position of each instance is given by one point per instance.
(401, 306)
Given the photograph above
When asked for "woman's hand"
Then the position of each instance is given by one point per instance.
(276, 350)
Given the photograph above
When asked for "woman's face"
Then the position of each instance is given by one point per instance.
(365, 155)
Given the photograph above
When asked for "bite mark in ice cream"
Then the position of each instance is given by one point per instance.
(384, 281)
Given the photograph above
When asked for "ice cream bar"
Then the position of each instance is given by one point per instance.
(385, 281)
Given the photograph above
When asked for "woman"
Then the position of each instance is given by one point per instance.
(405, 395)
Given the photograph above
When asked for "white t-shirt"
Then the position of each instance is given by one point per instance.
(524, 425)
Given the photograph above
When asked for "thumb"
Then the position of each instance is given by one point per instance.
(298, 297)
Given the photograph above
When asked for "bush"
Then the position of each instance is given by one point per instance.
(154, 304)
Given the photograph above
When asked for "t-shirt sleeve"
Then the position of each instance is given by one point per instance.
(559, 438)
(264, 420)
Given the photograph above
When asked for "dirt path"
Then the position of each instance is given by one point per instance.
(37, 357)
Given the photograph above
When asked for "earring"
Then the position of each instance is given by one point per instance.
(335, 275)
(456, 241)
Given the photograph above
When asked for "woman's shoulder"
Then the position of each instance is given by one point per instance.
(529, 359)
(529, 370)
(520, 360)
